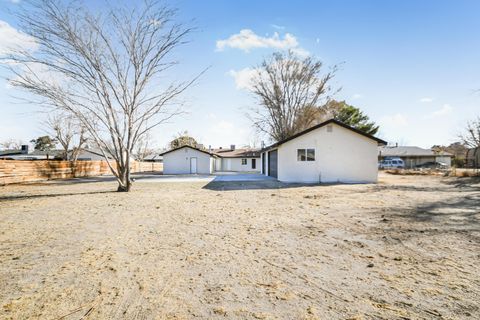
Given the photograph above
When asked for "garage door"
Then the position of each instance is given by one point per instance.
(273, 164)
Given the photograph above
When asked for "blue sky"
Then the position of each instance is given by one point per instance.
(412, 66)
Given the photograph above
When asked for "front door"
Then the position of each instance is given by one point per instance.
(254, 163)
(193, 165)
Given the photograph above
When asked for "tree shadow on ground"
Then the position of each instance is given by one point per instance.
(6, 198)
(464, 183)
(459, 215)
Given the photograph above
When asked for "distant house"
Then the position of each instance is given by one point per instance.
(154, 157)
(328, 152)
(188, 160)
(87, 154)
(23, 154)
(414, 156)
(239, 160)
(10, 154)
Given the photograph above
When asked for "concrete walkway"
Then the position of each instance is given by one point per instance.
(156, 178)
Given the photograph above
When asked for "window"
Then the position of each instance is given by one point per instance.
(310, 154)
(305, 154)
(244, 162)
(301, 155)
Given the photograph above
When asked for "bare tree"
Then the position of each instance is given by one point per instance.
(11, 144)
(471, 137)
(289, 91)
(103, 69)
(69, 133)
(143, 147)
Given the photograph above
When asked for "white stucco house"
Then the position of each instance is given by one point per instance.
(328, 152)
(237, 160)
(188, 160)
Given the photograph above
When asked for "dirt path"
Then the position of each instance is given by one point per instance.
(408, 247)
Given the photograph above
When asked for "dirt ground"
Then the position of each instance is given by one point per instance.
(406, 248)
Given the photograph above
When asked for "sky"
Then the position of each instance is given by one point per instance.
(411, 66)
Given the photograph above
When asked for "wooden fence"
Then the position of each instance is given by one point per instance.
(19, 171)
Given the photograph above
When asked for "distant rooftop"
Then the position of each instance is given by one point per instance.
(237, 153)
(408, 151)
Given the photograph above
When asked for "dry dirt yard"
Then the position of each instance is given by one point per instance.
(407, 248)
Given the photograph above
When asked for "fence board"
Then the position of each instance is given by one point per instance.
(20, 171)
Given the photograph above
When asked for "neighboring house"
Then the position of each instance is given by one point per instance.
(238, 160)
(328, 152)
(10, 154)
(414, 156)
(188, 160)
(154, 157)
(87, 154)
(92, 154)
(23, 154)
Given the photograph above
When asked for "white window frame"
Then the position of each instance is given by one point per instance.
(305, 150)
(246, 161)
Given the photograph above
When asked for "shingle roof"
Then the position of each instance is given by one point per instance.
(10, 152)
(408, 151)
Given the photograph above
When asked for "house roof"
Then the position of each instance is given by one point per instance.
(153, 156)
(237, 153)
(175, 149)
(409, 151)
(341, 124)
(10, 152)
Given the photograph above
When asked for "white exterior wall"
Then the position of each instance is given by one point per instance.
(445, 159)
(178, 161)
(340, 156)
(218, 164)
(235, 164)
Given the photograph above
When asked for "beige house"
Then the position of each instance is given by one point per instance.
(237, 160)
(328, 152)
(414, 156)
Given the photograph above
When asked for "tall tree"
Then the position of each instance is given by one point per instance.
(183, 139)
(105, 69)
(287, 87)
(44, 143)
(471, 136)
(69, 133)
(338, 110)
(353, 117)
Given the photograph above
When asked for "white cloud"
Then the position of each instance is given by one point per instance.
(396, 120)
(302, 53)
(276, 26)
(246, 40)
(444, 110)
(243, 78)
(357, 96)
(12, 39)
(426, 100)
